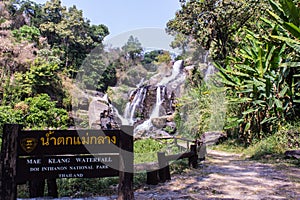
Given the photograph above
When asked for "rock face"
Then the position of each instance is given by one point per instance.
(157, 106)
(151, 106)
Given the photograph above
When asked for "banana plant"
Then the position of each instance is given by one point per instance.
(287, 14)
(258, 80)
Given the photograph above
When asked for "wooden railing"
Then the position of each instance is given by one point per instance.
(160, 171)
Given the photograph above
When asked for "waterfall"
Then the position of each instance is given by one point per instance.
(155, 112)
(175, 72)
(124, 121)
(131, 107)
(137, 102)
(210, 71)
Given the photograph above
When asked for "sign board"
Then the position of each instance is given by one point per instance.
(49, 154)
(67, 154)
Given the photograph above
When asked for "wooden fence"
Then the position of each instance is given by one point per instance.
(160, 171)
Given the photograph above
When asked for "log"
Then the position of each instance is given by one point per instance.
(293, 154)
(151, 166)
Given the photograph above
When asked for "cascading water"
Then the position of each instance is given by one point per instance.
(142, 108)
(210, 71)
(155, 112)
(131, 107)
(175, 72)
(160, 91)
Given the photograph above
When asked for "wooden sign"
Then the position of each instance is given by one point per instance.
(58, 142)
(48, 154)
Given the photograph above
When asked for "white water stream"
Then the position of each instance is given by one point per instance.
(160, 91)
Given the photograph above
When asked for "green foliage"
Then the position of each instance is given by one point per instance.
(42, 113)
(28, 33)
(150, 58)
(262, 82)
(213, 24)
(274, 145)
(83, 187)
(34, 113)
(97, 72)
(200, 110)
(41, 78)
(146, 150)
(8, 115)
(164, 58)
(25, 8)
(180, 41)
(132, 48)
(68, 30)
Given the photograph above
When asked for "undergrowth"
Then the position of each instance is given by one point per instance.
(270, 149)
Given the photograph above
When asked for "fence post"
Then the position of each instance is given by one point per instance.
(164, 169)
(152, 177)
(125, 188)
(52, 188)
(193, 159)
(36, 188)
(8, 176)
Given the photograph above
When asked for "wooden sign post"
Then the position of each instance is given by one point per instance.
(48, 154)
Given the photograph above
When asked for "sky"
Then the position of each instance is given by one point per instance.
(145, 19)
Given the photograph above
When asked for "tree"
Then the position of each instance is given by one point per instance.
(98, 71)
(180, 41)
(41, 112)
(213, 24)
(29, 11)
(68, 30)
(132, 48)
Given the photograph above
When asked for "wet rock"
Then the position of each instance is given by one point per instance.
(159, 122)
(83, 103)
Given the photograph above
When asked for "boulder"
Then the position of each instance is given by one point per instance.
(159, 122)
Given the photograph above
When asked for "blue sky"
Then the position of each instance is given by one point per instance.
(126, 15)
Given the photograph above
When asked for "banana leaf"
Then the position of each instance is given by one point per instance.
(278, 104)
(258, 82)
(283, 91)
(268, 120)
(252, 110)
(285, 39)
(296, 47)
(274, 16)
(239, 100)
(293, 29)
(290, 64)
(260, 66)
(276, 8)
(233, 122)
(268, 87)
(247, 127)
(246, 68)
(290, 11)
(238, 73)
(259, 102)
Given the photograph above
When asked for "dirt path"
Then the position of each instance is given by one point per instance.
(228, 176)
